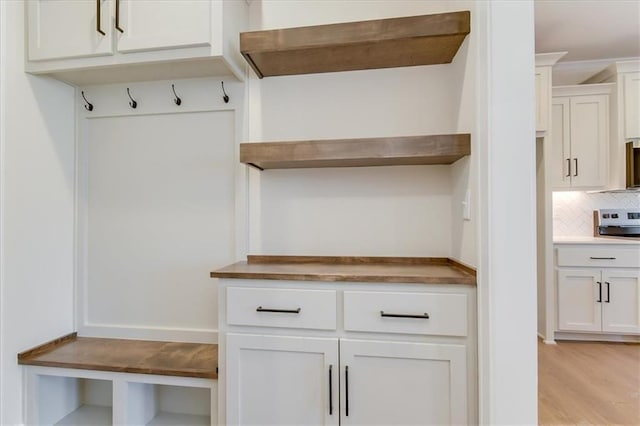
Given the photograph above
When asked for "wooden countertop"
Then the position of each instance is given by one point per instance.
(426, 270)
(126, 356)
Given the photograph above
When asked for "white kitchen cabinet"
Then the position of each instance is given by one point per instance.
(134, 40)
(598, 289)
(632, 105)
(401, 354)
(400, 383)
(580, 136)
(162, 24)
(69, 28)
(621, 301)
(281, 380)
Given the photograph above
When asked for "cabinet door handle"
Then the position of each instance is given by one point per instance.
(575, 172)
(118, 17)
(346, 390)
(608, 292)
(599, 292)
(601, 258)
(278, 311)
(423, 316)
(568, 167)
(331, 390)
(98, 15)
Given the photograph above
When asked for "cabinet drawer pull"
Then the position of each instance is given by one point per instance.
(599, 292)
(568, 167)
(98, 13)
(279, 311)
(575, 172)
(423, 316)
(608, 293)
(331, 390)
(118, 17)
(346, 390)
(601, 258)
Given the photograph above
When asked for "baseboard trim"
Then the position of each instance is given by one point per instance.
(149, 333)
(546, 341)
(595, 337)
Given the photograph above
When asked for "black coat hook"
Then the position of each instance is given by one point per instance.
(133, 104)
(89, 105)
(225, 97)
(177, 100)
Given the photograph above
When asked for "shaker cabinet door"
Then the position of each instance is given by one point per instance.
(621, 300)
(589, 136)
(60, 29)
(163, 24)
(579, 300)
(277, 380)
(395, 383)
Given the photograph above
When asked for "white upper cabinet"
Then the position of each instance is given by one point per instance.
(69, 28)
(162, 24)
(632, 105)
(135, 40)
(580, 136)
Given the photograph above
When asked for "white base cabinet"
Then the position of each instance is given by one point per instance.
(382, 354)
(597, 299)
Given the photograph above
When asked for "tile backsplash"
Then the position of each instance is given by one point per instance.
(573, 211)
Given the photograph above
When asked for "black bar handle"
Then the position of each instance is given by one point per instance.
(423, 316)
(575, 172)
(601, 258)
(98, 16)
(599, 292)
(608, 292)
(279, 311)
(331, 390)
(118, 17)
(568, 167)
(346, 390)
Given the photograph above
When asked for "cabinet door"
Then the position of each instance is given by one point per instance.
(392, 383)
(542, 98)
(621, 300)
(561, 144)
(579, 293)
(274, 380)
(68, 28)
(589, 140)
(632, 105)
(163, 24)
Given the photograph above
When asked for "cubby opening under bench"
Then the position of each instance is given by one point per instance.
(84, 380)
(347, 341)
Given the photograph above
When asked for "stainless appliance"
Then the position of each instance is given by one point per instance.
(633, 164)
(619, 222)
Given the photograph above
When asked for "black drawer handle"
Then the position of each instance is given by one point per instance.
(423, 316)
(602, 258)
(279, 311)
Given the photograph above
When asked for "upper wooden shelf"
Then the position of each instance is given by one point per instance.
(382, 43)
(397, 151)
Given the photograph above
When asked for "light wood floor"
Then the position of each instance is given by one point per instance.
(588, 383)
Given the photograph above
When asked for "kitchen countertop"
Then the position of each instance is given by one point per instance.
(426, 270)
(597, 240)
(126, 356)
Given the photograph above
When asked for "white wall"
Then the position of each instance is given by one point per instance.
(37, 156)
(392, 211)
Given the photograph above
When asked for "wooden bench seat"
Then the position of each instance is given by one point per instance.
(126, 356)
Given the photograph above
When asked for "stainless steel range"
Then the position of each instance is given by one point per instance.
(619, 222)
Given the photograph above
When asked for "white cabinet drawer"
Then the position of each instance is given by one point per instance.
(406, 313)
(599, 257)
(289, 308)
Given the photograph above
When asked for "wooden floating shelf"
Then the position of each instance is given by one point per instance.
(382, 43)
(395, 151)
